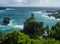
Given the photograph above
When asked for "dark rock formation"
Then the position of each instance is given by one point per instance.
(6, 21)
(2, 8)
(54, 15)
(33, 28)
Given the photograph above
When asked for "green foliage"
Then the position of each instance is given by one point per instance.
(1, 34)
(16, 37)
(47, 29)
(58, 15)
(1, 37)
(31, 20)
(44, 41)
(55, 32)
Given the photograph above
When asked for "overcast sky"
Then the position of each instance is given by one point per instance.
(30, 3)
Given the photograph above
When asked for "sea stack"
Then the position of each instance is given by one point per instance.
(33, 28)
(6, 21)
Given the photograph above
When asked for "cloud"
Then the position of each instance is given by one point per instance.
(37, 3)
(20, 1)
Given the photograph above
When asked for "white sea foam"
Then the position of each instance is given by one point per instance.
(37, 12)
(52, 17)
(18, 26)
(45, 14)
(15, 25)
(9, 9)
(58, 19)
(11, 22)
(1, 11)
(3, 26)
(12, 25)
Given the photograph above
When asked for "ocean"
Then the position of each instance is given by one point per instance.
(18, 16)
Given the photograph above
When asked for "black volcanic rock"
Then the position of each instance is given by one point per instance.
(2, 8)
(54, 15)
(6, 21)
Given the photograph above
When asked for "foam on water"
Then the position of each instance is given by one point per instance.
(14, 25)
(9, 9)
(1, 11)
(44, 14)
(18, 26)
(41, 11)
(11, 25)
(43, 17)
(3, 26)
(52, 17)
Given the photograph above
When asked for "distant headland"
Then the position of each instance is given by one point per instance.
(2, 8)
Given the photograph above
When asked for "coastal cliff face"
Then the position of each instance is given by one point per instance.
(33, 28)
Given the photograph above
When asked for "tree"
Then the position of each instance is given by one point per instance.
(16, 37)
(55, 33)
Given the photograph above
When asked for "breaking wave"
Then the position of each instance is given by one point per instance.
(11, 25)
(9, 9)
(45, 14)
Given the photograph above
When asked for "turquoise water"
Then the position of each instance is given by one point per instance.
(19, 15)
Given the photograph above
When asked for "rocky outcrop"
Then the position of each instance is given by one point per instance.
(2, 8)
(33, 28)
(6, 21)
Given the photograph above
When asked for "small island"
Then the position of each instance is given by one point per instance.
(6, 21)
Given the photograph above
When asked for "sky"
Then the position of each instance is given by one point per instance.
(29, 3)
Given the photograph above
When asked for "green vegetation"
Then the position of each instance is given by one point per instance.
(55, 31)
(58, 14)
(18, 37)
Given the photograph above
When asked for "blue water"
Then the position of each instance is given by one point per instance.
(19, 15)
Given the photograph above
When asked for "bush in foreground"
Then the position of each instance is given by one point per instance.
(17, 37)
